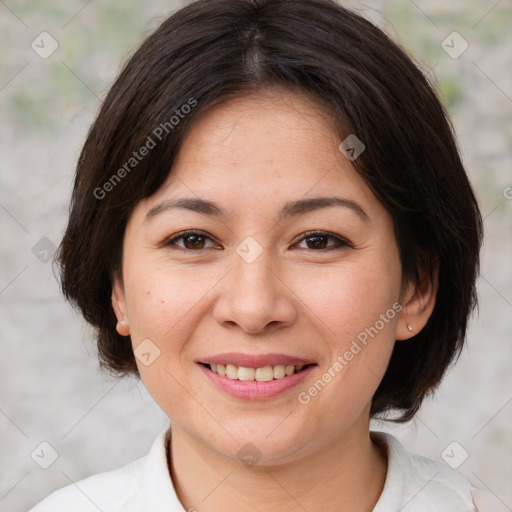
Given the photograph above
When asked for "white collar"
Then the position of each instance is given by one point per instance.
(413, 483)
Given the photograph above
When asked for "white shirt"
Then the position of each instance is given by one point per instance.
(413, 484)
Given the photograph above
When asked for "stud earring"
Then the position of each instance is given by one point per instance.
(409, 327)
(123, 328)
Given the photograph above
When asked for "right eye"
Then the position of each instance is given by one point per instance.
(192, 240)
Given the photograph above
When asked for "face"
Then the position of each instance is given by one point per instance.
(267, 277)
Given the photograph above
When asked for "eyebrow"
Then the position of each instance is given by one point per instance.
(290, 209)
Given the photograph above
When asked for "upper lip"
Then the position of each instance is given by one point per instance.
(254, 361)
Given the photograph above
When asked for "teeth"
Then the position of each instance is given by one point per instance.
(231, 371)
(246, 373)
(263, 374)
(279, 371)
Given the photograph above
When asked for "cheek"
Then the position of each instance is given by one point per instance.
(163, 307)
(163, 302)
(358, 310)
(351, 299)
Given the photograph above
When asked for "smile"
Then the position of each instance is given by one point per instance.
(258, 382)
(261, 374)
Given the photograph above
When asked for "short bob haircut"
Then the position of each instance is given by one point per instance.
(213, 50)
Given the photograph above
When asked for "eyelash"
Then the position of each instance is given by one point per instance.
(310, 234)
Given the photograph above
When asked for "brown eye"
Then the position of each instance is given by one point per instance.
(319, 240)
(197, 240)
(192, 240)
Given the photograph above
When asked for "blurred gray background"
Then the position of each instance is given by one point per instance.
(51, 389)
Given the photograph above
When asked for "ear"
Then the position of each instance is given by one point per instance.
(417, 305)
(118, 299)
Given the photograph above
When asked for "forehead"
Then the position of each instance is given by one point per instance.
(251, 151)
(266, 131)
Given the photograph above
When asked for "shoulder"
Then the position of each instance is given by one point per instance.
(143, 484)
(108, 491)
(419, 484)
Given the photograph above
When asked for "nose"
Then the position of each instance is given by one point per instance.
(255, 297)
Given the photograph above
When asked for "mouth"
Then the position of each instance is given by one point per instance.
(255, 377)
(259, 374)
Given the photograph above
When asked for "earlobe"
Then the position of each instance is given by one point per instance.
(119, 307)
(418, 306)
(123, 328)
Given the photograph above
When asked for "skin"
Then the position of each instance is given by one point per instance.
(250, 155)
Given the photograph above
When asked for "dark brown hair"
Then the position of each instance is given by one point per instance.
(213, 50)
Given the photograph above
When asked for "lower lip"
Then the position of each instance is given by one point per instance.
(254, 390)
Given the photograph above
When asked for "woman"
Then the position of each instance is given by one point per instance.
(271, 226)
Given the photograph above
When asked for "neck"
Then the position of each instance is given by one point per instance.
(348, 473)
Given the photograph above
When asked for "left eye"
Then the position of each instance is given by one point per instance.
(316, 240)
(320, 238)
